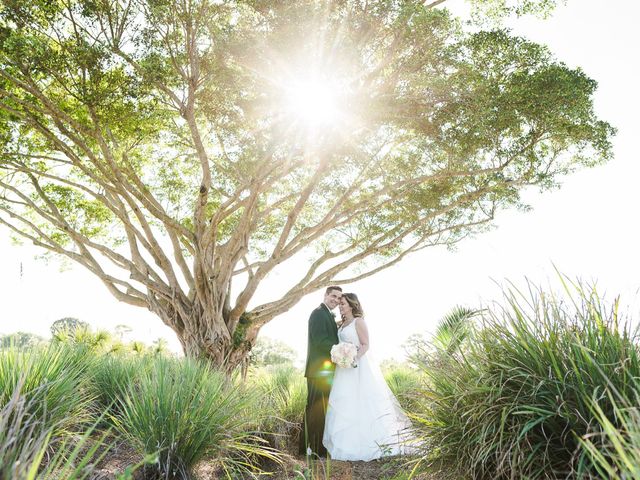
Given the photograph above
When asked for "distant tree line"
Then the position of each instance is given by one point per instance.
(267, 351)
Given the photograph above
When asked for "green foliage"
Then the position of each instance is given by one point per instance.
(23, 436)
(441, 107)
(283, 394)
(114, 375)
(405, 382)
(518, 396)
(160, 346)
(453, 329)
(184, 411)
(165, 126)
(57, 377)
(241, 329)
(20, 340)
(67, 325)
(269, 351)
(104, 341)
(26, 440)
(495, 10)
(174, 413)
(615, 452)
(84, 336)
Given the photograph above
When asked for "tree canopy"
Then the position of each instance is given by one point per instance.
(68, 324)
(20, 340)
(270, 351)
(182, 151)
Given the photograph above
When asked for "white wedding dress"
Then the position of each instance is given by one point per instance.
(364, 420)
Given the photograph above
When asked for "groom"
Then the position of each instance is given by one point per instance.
(323, 334)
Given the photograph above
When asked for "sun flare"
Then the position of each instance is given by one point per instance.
(313, 102)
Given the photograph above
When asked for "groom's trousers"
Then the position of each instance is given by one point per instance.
(318, 389)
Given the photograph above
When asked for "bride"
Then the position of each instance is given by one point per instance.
(364, 420)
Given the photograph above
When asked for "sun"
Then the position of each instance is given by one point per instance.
(314, 103)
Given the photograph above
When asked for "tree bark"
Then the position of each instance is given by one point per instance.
(204, 333)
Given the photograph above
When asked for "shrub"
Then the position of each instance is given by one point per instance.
(515, 398)
(84, 337)
(184, 411)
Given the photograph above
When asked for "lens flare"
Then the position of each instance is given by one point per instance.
(313, 103)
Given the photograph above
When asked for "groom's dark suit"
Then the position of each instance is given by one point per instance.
(323, 334)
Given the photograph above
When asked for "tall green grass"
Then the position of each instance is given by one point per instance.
(615, 451)
(23, 436)
(405, 383)
(28, 449)
(57, 377)
(516, 396)
(113, 375)
(184, 411)
(282, 396)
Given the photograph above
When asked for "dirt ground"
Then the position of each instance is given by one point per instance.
(292, 468)
(298, 468)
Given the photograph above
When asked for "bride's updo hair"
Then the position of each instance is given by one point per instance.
(354, 303)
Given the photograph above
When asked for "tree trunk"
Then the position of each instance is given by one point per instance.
(205, 335)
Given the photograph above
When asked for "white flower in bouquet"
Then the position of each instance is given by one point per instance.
(344, 354)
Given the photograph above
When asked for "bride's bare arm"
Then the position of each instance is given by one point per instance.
(363, 336)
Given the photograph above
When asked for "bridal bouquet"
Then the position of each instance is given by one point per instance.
(344, 354)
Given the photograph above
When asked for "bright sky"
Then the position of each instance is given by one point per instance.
(588, 229)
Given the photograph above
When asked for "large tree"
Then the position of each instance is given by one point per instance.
(181, 150)
(68, 325)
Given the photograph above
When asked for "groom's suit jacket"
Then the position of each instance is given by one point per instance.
(323, 334)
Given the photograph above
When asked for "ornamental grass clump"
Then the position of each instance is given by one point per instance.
(185, 411)
(28, 449)
(516, 396)
(615, 452)
(405, 383)
(57, 377)
(113, 375)
(23, 436)
(283, 395)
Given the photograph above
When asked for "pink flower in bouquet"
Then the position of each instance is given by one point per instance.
(344, 354)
